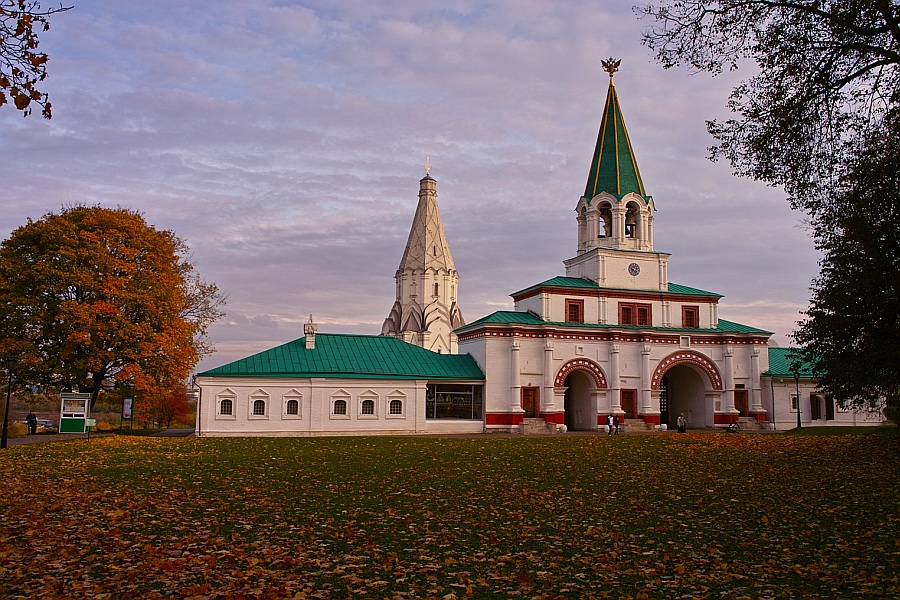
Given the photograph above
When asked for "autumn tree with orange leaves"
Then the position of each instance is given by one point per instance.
(94, 296)
(22, 66)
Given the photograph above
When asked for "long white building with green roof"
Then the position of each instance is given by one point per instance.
(339, 384)
(611, 339)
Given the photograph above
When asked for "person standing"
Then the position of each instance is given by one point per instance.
(682, 423)
(609, 424)
(31, 421)
(617, 419)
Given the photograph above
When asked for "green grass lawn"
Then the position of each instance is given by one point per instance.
(655, 516)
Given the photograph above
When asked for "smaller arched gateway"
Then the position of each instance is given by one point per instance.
(686, 382)
(579, 381)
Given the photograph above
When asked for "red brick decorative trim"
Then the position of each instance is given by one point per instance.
(651, 419)
(503, 418)
(724, 418)
(759, 416)
(580, 364)
(687, 357)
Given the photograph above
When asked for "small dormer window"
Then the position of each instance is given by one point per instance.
(436, 289)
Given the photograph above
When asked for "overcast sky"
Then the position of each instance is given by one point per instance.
(284, 142)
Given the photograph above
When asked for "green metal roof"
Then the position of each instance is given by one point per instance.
(677, 288)
(509, 317)
(352, 357)
(780, 364)
(577, 283)
(613, 167)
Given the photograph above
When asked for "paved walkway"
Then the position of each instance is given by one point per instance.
(43, 438)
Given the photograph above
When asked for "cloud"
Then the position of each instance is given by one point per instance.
(284, 142)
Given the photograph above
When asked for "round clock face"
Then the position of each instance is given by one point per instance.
(634, 269)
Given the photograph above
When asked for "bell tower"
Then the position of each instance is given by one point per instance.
(615, 214)
(425, 312)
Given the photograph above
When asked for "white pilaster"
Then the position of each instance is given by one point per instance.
(515, 388)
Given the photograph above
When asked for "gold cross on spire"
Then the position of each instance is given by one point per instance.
(611, 65)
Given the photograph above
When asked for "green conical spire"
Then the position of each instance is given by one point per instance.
(613, 167)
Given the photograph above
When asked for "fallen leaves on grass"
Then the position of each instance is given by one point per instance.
(639, 517)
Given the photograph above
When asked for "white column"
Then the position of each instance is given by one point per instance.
(548, 403)
(755, 382)
(615, 399)
(729, 379)
(515, 387)
(591, 229)
(646, 400)
(618, 224)
(582, 233)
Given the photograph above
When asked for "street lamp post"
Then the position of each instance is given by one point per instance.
(5, 435)
(797, 383)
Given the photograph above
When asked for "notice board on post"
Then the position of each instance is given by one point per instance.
(73, 412)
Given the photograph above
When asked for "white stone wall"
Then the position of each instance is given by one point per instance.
(316, 398)
(631, 367)
(784, 389)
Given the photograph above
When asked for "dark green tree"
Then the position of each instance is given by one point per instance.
(852, 331)
(819, 106)
(824, 74)
(22, 66)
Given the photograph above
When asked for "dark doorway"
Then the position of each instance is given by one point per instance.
(530, 402)
(815, 407)
(581, 411)
(629, 403)
(741, 402)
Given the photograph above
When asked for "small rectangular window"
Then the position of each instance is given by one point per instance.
(574, 311)
(643, 315)
(635, 314)
(690, 316)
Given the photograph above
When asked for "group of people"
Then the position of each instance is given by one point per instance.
(612, 424)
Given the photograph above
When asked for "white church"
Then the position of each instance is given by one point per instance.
(613, 336)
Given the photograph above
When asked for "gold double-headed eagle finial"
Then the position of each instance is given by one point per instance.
(611, 65)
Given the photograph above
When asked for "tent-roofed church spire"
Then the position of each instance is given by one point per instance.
(425, 312)
(614, 168)
(427, 246)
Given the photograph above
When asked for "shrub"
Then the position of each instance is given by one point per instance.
(17, 430)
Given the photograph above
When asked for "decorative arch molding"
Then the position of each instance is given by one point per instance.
(687, 357)
(580, 364)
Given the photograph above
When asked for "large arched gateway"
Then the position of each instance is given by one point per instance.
(581, 380)
(687, 382)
